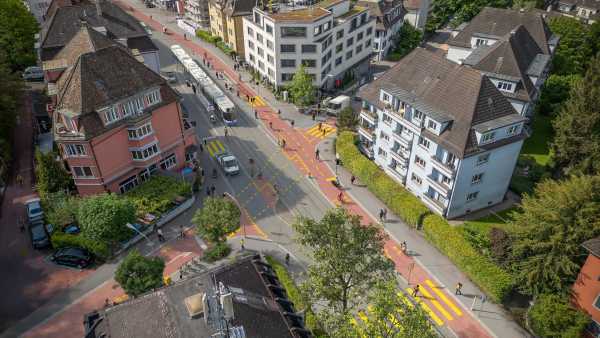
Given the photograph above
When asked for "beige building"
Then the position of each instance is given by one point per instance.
(226, 21)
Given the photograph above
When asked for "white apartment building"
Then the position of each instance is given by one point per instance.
(444, 131)
(329, 38)
(389, 15)
(196, 14)
(417, 12)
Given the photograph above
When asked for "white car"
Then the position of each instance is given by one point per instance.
(34, 210)
(229, 163)
(33, 74)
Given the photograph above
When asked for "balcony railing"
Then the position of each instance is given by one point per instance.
(368, 132)
(445, 167)
(397, 153)
(442, 188)
(434, 204)
(369, 113)
(403, 138)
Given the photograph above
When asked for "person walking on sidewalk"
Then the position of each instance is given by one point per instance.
(352, 179)
(283, 143)
(207, 191)
(242, 243)
(320, 126)
(20, 180)
(226, 132)
(341, 197)
(381, 215)
(255, 114)
(314, 116)
(403, 247)
(317, 152)
(159, 234)
(458, 290)
(270, 125)
(384, 214)
(416, 290)
(292, 123)
(212, 190)
(287, 259)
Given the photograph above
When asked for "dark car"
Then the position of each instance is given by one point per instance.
(75, 257)
(39, 235)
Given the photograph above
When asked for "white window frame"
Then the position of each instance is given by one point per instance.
(384, 136)
(132, 179)
(74, 150)
(142, 154)
(111, 115)
(140, 132)
(488, 137)
(423, 142)
(387, 119)
(477, 178)
(512, 130)
(432, 125)
(483, 159)
(415, 178)
(472, 196)
(420, 162)
(153, 97)
(168, 162)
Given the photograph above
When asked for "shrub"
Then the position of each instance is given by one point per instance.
(62, 240)
(499, 245)
(50, 175)
(138, 274)
(552, 316)
(294, 294)
(218, 251)
(156, 195)
(217, 218)
(60, 208)
(223, 46)
(494, 281)
(103, 218)
(206, 36)
(400, 201)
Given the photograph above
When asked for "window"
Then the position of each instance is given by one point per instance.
(387, 119)
(488, 137)
(153, 97)
(482, 159)
(111, 115)
(504, 86)
(317, 30)
(270, 59)
(74, 149)
(472, 196)
(82, 172)
(338, 61)
(432, 125)
(128, 184)
(369, 30)
(270, 44)
(145, 153)
(261, 65)
(597, 302)
(349, 42)
(251, 57)
(368, 43)
(416, 179)
(309, 48)
(382, 152)
(359, 36)
(418, 115)
(358, 49)
(419, 161)
(424, 142)
(259, 37)
(445, 180)
(512, 130)
(293, 32)
(339, 48)
(476, 179)
(269, 29)
(250, 31)
(168, 162)
(363, 18)
(260, 52)
(287, 76)
(348, 55)
(288, 63)
(384, 136)
(339, 34)
(250, 45)
(385, 97)
(326, 26)
(288, 48)
(270, 72)
(479, 42)
(257, 19)
(309, 63)
(139, 133)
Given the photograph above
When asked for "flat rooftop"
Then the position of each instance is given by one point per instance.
(309, 14)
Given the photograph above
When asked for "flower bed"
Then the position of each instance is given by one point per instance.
(157, 195)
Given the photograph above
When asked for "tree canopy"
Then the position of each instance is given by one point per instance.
(456, 12)
(301, 87)
(104, 217)
(348, 258)
(138, 274)
(17, 34)
(555, 92)
(50, 176)
(576, 145)
(408, 39)
(11, 98)
(546, 249)
(347, 120)
(573, 51)
(217, 218)
(553, 317)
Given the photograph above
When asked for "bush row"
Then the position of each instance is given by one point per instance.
(99, 249)
(156, 195)
(496, 282)
(206, 36)
(402, 202)
(311, 320)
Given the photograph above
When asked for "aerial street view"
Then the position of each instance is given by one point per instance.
(300, 168)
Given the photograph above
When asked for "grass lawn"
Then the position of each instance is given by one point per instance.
(483, 225)
(538, 145)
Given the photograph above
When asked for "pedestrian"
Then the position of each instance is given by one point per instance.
(181, 231)
(247, 98)
(384, 214)
(381, 215)
(184, 36)
(204, 141)
(212, 190)
(324, 131)
(352, 179)
(403, 247)
(207, 191)
(242, 243)
(287, 259)
(278, 111)
(255, 114)
(106, 302)
(194, 88)
(283, 143)
(21, 224)
(159, 234)
(317, 152)
(341, 197)
(415, 292)
(180, 273)
(238, 93)
(314, 116)
(270, 125)
(226, 132)
(458, 290)
(320, 126)
(292, 123)
(19, 180)
(201, 148)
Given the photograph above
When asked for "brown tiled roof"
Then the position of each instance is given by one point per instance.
(594, 4)
(497, 22)
(443, 88)
(509, 58)
(379, 9)
(85, 40)
(593, 246)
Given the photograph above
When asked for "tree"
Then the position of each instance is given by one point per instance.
(408, 39)
(576, 145)
(573, 51)
(138, 274)
(17, 34)
(348, 258)
(347, 120)
(60, 208)
(594, 38)
(50, 175)
(555, 92)
(546, 250)
(104, 218)
(551, 316)
(217, 218)
(11, 99)
(301, 88)
(458, 11)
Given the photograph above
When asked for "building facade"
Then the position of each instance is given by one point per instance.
(226, 21)
(417, 12)
(587, 11)
(389, 17)
(115, 121)
(442, 130)
(586, 290)
(329, 39)
(196, 14)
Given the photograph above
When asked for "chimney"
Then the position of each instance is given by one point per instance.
(98, 8)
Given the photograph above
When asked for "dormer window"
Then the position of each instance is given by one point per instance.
(512, 130)
(385, 98)
(111, 115)
(506, 86)
(488, 137)
(153, 97)
(480, 42)
(417, 115)
(432, 125)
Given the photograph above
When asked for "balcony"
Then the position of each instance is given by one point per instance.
(399, 156)
(366, 131)
(448, 169)
(404, 138)
(368, 115)
(367, 150)
(434, 204)
(442, 188)
(399, 171)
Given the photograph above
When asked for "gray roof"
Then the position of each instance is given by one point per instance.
(444, 90)
(86, 40)
(59, 29)
(509, 59)
(497, 22)
(593, 246)
(592, 4)
(239, 7)
(163, 313)
(381, 10)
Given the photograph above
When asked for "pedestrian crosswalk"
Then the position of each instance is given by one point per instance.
(322, 132)
(258, 102)
(214, 147)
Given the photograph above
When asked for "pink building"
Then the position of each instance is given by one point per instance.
(116, 121)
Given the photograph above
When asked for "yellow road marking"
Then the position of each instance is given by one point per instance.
(220, 145)
(436, 304)
(210, 149)
(405, 300)
(443, 297)
(427, 309)
(330, 179)
(315, 132)
(363, 316)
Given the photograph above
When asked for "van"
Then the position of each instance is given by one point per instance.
(336, 105)
(33, 73)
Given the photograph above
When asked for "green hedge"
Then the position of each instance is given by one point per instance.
(206, 36)
(61, 240)
(223, 46)
(494, 281)
(220, 250)
(312, 322)
(156, 195)
(400, 201)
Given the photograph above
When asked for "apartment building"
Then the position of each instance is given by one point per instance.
(417, 12)
(67, 17)
(226, 21)
(115, 121)
(329, 39)
(443, 130)
(389, 15)
(196, 14)
(587, 11)
(585, 293)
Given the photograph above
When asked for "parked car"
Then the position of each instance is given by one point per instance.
(39, 235)
(72, 256)
(229, 163)
(33, 74)
(34, 210)
(72, 229)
